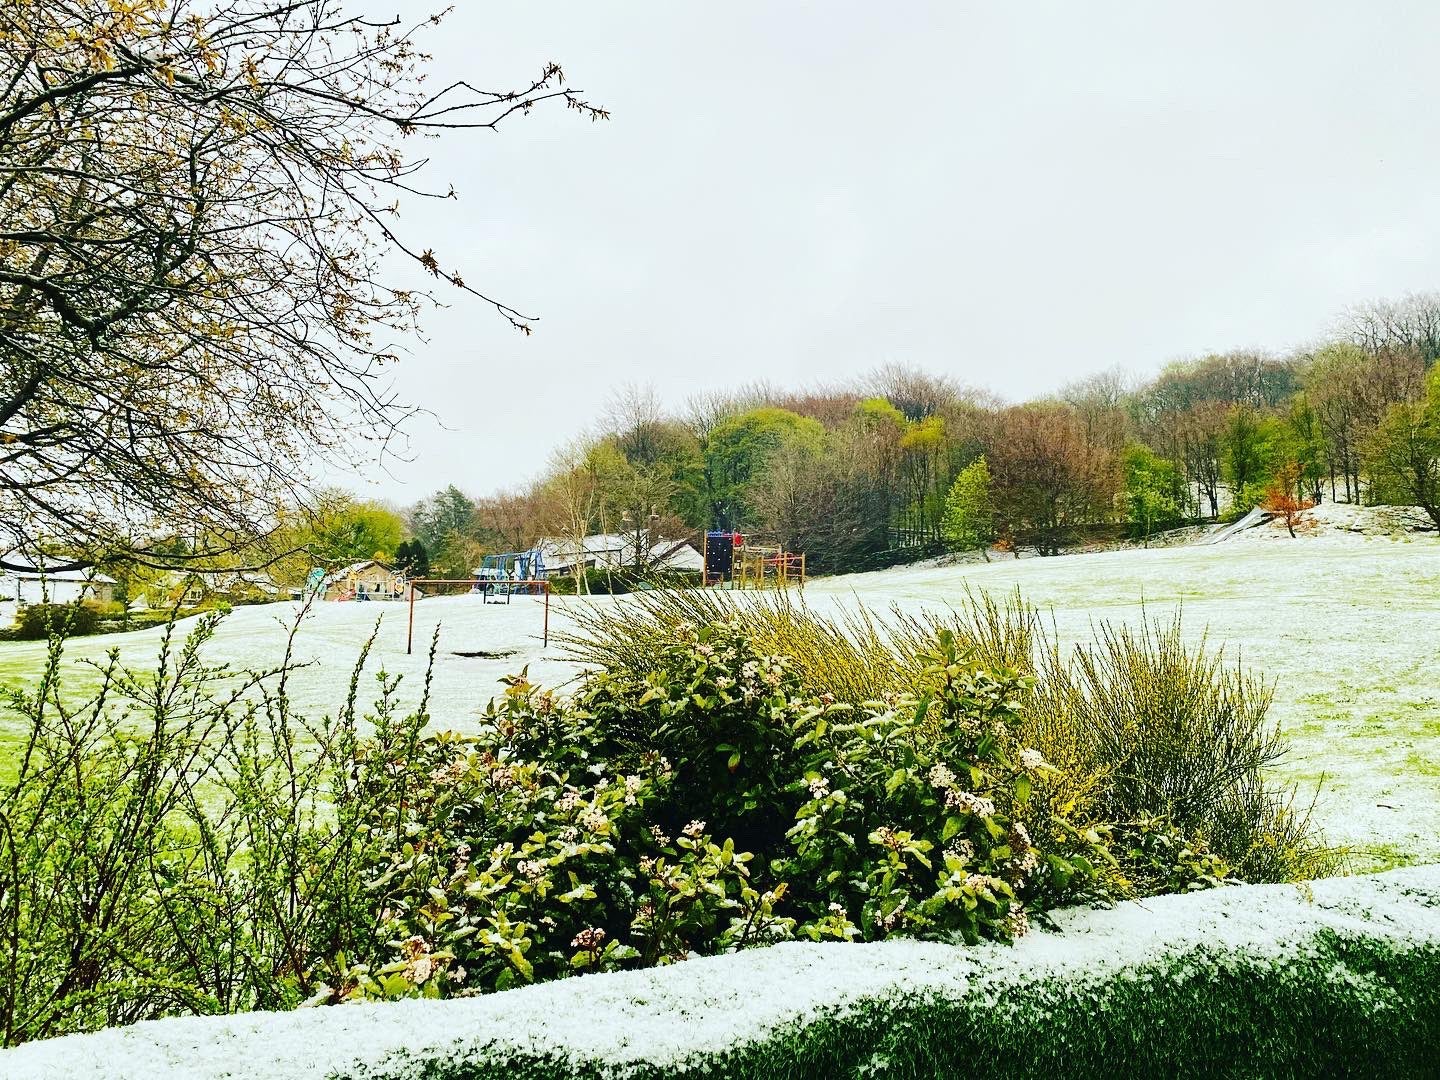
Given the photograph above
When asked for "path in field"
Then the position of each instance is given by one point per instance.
(1349, 628)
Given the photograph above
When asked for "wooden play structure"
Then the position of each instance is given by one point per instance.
(759, 567)
(733, 562)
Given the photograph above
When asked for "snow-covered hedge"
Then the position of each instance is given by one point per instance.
(1333, 978)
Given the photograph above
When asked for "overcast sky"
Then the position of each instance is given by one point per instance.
(1013, 194)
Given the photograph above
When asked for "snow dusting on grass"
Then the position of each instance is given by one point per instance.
(1360, 947)
(1347, 624)
(1348, 627)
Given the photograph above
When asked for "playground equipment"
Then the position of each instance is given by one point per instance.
(505, 573)
(719, 555)
(481, 588)
(732, 562)
(759, 567)
(369, 580)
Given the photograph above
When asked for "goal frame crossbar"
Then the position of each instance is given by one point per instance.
(479, 585)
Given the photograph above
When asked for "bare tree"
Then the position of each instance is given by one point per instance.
(1409, 324)
(197, 205)
(1100, 401)
(915, 393)
(1048, 478)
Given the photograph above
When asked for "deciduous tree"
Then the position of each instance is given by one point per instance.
(198, 232)
(969, 521)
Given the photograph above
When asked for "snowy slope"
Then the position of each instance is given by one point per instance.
(1357, 952)
(1349, 626)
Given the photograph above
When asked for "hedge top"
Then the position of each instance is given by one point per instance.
(679, 1019)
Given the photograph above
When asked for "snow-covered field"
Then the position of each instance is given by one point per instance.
(1348, 625)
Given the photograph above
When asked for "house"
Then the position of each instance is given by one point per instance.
(39, 586)
(617, 551)
(194, 586)
(369, 580)
(20, 588)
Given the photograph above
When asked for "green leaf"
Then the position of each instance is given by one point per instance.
(522, 965)
(1022, 788)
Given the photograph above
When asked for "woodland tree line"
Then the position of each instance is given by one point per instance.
(865, 474)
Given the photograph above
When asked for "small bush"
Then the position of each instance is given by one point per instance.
(35, 622)
(1181, 737)
(182, 842)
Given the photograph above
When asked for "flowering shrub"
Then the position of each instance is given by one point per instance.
(703, 808)
(912, 813)
(505, 868)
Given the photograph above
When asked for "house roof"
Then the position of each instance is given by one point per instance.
(560, 553)
(40, 574)
(354, 568)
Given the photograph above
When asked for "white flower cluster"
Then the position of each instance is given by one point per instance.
(1017, 922)
(941, 776)
(890, 921)
(462, 856)
(1025, 865)
(819, 787)
(418, 964)
(960, 849)
(956, 799)
(694, 830)
(531, 869)
(594, 819)
(1032, 760)
(982, 881)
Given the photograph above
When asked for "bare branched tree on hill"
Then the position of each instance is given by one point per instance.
(198, 219)
(1411, 324)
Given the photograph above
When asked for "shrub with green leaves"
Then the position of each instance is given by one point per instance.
(936, 786)
(36, 622)
(708, 805)
(1149, 728)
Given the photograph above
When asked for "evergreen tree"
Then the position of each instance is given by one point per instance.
(412, 559)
